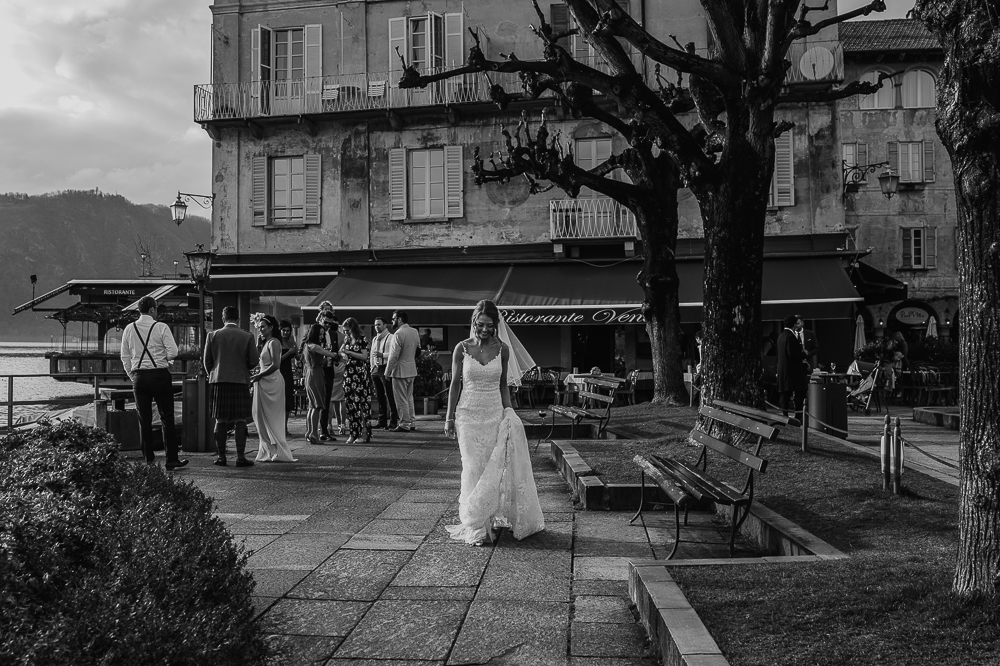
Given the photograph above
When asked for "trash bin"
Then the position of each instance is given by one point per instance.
(828, 403)
(194, 398)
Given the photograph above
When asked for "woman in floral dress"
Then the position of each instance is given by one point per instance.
(357, 382)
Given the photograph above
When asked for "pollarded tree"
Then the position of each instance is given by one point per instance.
(725, 158)
(968, 122)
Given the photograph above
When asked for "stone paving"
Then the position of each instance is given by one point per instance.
(353, 564)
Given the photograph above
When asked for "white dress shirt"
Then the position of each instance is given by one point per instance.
(161, 345)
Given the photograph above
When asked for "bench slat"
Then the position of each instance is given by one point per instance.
(606, 382)
(758, 414)
(768, 432)
(701, 485)
(730, 451)
(677, 494)
(596, 396)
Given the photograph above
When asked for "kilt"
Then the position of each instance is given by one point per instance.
(230, 402)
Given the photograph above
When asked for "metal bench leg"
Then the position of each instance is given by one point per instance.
(572, 428)
(642, 493)
(552, 429)
(732, 531)
(677, 530)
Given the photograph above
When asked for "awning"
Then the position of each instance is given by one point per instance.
(287, 281)
(575, 293)
(157, 294)
(106, 290)
(875, 286)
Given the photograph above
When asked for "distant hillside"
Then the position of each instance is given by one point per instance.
(82, 235)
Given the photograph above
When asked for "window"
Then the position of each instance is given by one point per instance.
(432, 41)
(589, 154)
(918, 89)
(783, 180)
(561, 20)
(286, 191)
(912, 160)
(856, 154)
(286, 67)
(426, 184)
(883, 98)
(919, 245)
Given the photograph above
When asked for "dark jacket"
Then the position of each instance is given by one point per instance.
(791, 369)
(811, 347)
(230, 354)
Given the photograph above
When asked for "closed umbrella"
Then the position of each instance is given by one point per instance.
(932, 327)
(859, 333)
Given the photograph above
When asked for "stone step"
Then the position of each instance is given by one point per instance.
(946, 417)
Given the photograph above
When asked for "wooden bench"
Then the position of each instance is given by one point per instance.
(686, 485)
(597, 397)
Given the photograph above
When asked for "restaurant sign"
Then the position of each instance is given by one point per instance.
(582, 316)
(912, 316)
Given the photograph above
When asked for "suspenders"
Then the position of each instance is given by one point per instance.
(145, 344)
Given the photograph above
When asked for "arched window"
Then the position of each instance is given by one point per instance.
(918, 89)
(883, 98)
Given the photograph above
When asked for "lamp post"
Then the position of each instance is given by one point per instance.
(178, 209)
(855, 173)
(200, 263)
(175, 267)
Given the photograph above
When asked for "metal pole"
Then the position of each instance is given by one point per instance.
(886, 445)
(805, 430)
(202, 392)
(10, 404)
(897, 459)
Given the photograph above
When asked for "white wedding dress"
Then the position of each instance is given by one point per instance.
(498, 488)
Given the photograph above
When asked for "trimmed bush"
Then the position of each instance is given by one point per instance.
(103, 561)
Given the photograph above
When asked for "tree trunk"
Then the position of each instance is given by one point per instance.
(734, 249)
(968, 123)
(658, 222)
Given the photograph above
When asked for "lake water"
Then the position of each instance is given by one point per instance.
(23, 358)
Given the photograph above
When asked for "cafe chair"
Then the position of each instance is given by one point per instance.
(627, 390)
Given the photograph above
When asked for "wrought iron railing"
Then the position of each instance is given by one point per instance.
(594, 218)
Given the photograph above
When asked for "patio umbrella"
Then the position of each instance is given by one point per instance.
(932, 327)
(859, 333)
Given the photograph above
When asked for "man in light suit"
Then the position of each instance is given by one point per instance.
(230, 354)
(402, 368)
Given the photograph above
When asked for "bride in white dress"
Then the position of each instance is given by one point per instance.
(269, 397)
(498, 488)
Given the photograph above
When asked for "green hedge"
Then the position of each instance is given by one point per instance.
(103, 561)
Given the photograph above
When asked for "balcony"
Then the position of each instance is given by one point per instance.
(815, 63)
(590, 219)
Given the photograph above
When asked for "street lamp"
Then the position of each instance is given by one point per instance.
(175, 267)
(855, 173)
(200, 263)
(178, 209)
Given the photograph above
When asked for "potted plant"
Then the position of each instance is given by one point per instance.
(427, 384)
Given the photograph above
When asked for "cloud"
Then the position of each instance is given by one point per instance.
(100, 91)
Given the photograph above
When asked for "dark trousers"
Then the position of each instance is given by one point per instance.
(150, 386)
(240, 435)
(792, 400)
(386, 403)
(324, 415)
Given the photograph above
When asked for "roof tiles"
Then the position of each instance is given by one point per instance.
(886, 35)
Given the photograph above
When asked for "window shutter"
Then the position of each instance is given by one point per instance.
(436, 39)
(930, 247)
(581, 48)
(862, 154)
(784, 176)
(559, 20)
(907, 243)
(454, 53)
(258, 192)
(313, 189)
(313, 66)
(255, 54)
(892, 152)
(454, 181)
(928, 161)
(397, 38)
(397, 184)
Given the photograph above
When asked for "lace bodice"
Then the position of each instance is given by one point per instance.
(479, 379)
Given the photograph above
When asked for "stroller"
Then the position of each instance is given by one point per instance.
(861, 397)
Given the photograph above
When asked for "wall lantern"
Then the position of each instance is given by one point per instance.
(855, 173)
(178, 209)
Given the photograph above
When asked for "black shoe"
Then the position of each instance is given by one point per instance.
(381, 424)
(221, 462)
(392, 426)
(401, 428)
(176, 463)
(325, 438)
(244, 462)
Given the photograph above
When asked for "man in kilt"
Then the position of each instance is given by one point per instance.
(230, 354)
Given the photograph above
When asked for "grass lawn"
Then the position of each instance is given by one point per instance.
(889, 604)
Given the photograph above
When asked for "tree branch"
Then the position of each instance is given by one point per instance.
(804, 28)
(851, 89)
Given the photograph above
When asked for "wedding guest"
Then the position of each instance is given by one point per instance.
(388, 416)
(230, 355)
(402, 367)
(313, 354)
(357, 382)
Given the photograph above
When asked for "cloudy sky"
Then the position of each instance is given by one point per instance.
(98, 93)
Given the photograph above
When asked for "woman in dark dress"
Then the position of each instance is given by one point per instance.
(288, 351)
(357, 382)
(312, 353)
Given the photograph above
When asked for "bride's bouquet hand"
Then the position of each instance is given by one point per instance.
(449, 428)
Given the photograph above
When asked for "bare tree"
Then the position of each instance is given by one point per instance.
(968, 122)
(725, 158)
(146, 252)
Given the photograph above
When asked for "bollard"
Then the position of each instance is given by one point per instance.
(101, 414)
(897, 459)
(886, 441)
(805, 431)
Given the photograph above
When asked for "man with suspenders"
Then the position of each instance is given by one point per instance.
(147, 349)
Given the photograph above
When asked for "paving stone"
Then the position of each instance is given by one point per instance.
(294, 650)
(436, 495)
(382, 662)
(417, 592)
(435, 565)
(527, 575)
(418, 629)
(616, 661)
(613, 588)
(253, 543)
(589, 546)
(600, 568)
(261, 604)
(407, 510)
(611, 610)
(609, 526)
(558, 517)
(590, 639)
(532, 633)
(297, 549)
(383, 542)
(314, 618)
(358, 575)
(555, 536)
(421, 527)
(276, 582)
